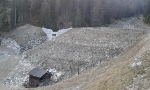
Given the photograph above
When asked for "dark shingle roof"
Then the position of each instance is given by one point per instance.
(37, 72)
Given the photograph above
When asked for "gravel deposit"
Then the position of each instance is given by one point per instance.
(71, 53)
(25, 33)
(82, 48)
(32, 44)
(131, 23)
(11, 44)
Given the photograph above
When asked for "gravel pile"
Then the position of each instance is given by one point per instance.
(24, 38)
(25, 33)
(82, 48)
(101, 36)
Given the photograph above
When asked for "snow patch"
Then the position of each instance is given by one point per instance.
(136, 63)
(4, 53)
(55, 74)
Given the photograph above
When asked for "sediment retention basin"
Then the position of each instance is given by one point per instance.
(82, 48)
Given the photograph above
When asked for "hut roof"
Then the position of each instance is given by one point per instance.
(37, 72)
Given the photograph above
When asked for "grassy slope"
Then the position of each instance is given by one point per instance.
(125, 76)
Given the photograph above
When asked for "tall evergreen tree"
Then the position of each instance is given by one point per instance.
(3, 15)
(147, 11)
(57, 14)
(147, 8)
(46, 19)
(97, 14)
(78, 18)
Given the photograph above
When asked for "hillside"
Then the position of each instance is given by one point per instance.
(98, 58)
(129, 71)
(80, 49)
(132, 73)
(25, 33)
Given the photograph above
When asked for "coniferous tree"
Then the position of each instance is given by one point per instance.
(46, 19)
(4, 23)
(97, 14)
(147, 8)
(147, 11)
(57, 14)
(78, 18)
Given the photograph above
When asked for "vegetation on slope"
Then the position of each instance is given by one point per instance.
(132, 74)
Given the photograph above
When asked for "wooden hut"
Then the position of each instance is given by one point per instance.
(37, 76)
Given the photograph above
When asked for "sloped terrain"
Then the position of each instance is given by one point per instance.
(129, 71)
(8, 61)
(130, 23)
(25, 33)
(26, 37)
(131, 74)
(101, 56)
(101, 36)
(81, 49)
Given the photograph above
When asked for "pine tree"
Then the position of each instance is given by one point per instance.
(3, 15)
(97, 14)
(147, 8)
(147, 11)
(78, 18)
(46, 19)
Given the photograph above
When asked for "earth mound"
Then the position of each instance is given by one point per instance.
(25, 33)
